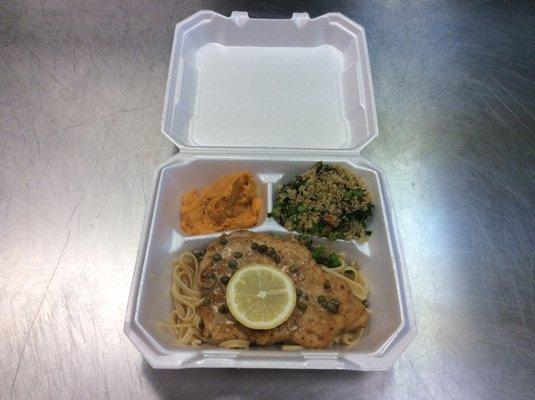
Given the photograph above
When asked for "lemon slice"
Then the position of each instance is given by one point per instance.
(260, 296)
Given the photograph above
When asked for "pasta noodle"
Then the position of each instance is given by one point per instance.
(359, 285)
(186, 323)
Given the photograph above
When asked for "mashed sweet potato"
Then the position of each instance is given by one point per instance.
(230, 202)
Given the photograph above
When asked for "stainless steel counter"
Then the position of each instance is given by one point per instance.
(81, 94)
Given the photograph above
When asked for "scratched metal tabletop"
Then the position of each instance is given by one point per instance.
(81, 95)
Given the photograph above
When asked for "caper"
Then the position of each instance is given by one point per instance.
(294, 269)
(321, 299)
(262, 248)
(216, 257)
(334, 302)
(211, 275)
(207, 301)
(331, 308)
(299, 292)
(270, 251)
(302, 306)
(199, 254)
(224, 279)
(232, 264)
(327, 285)
(223, 240)
(238, 254)
(222, 309)
(254, 246)
(276, 258)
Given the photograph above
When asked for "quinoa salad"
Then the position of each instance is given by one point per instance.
(326, 200)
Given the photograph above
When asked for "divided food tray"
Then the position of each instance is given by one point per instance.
(238, 99)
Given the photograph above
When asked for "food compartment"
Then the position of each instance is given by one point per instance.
(165, 241)
(176, 181)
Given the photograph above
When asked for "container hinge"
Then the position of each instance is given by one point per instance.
(300, 19)
(240, 18)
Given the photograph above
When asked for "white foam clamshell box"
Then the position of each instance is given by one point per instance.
(269, 96)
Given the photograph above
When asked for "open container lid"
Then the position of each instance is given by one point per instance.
(287, 84)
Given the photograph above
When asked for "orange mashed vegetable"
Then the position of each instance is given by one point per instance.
(230, 202)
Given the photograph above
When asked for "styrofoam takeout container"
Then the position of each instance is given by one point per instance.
(269, 96)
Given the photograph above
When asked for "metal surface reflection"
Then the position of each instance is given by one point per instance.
(82, 88)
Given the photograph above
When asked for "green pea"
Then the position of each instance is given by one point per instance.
(224, 279)
(232, 264)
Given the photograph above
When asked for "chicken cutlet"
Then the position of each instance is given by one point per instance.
(311, 324)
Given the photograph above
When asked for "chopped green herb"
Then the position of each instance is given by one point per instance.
(301, 208)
